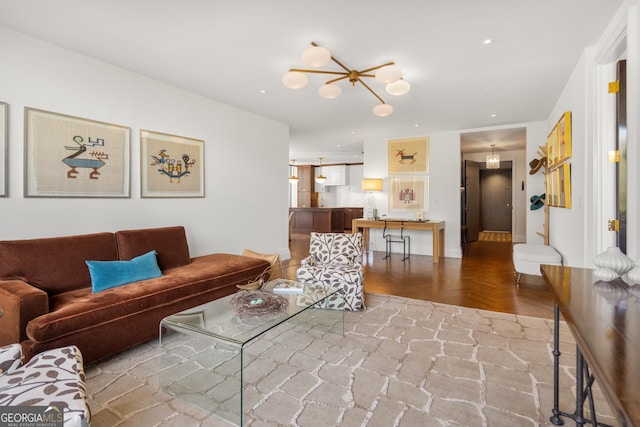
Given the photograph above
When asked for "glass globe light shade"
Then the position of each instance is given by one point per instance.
(294, 80)
(382, 110)
(330, 91)
(315, 56)
(399, 87)
(388, 74)
(321, 179)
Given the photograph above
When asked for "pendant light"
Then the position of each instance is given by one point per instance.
(493, 159)
(321, 179)
(293, 179)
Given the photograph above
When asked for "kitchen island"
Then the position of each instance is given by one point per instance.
(322, 219)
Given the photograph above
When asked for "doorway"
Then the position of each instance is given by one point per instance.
(503, 206)
(487, 198)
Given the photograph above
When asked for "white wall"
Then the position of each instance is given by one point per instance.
(444, 190)
(245, 203)
(536, 137)
(581, 232)
(566, 226)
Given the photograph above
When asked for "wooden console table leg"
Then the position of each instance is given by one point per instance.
(365, 239)
(438, 243)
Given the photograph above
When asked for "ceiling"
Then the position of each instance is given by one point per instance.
(230, 51)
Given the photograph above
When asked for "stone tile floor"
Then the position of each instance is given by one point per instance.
(401, 362)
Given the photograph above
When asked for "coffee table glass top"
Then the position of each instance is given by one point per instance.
(219, 320)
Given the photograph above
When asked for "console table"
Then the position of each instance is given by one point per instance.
(436, 227)
(606, 329)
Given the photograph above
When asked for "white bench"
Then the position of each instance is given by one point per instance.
(528, 257)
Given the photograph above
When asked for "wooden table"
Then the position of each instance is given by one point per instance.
(607, 333)
(437, 229)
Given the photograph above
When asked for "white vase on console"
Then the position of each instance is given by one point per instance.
(633, 276)
(605, 274)
(613, 259)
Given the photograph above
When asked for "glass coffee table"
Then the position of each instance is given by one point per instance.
(205, 348)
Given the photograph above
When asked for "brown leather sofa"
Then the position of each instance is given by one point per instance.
(47, 298)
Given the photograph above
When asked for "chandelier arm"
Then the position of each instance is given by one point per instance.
(375, 68)
(340, 64)
(300, 70)
(336, 80)
(370, 90)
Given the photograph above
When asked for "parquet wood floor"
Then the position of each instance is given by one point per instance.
(482, 279)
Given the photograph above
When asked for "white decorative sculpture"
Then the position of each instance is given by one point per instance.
(633, 276)
(613, 259)
(605, 274)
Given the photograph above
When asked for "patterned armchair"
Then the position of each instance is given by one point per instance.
(51, 378)
(336, 259)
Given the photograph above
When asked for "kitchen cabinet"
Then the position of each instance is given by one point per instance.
(306, 195)
(336, 175)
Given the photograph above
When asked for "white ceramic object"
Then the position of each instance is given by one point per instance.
(615, 260)
(633, 276)
(605, 274)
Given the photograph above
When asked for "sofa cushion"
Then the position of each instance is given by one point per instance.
(55, 264)
(80, 310)
(109, 274)
(170, 243)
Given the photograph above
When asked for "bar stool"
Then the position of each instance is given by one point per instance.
(394, 238)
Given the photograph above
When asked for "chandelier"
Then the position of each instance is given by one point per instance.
(318, 56)
(493, 159)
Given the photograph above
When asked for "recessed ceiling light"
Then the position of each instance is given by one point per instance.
(493, 115)
(353, 132)
(416, 125)
(487, 41)
(262, 91)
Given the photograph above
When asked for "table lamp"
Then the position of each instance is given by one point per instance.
(370, 185)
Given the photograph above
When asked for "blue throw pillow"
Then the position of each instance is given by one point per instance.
(109, 274)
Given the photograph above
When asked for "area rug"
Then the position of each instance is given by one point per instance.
(400, 362)
(494, 236)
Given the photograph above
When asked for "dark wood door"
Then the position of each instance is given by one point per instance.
(495, 188)
(472, 198)
(621, 146)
